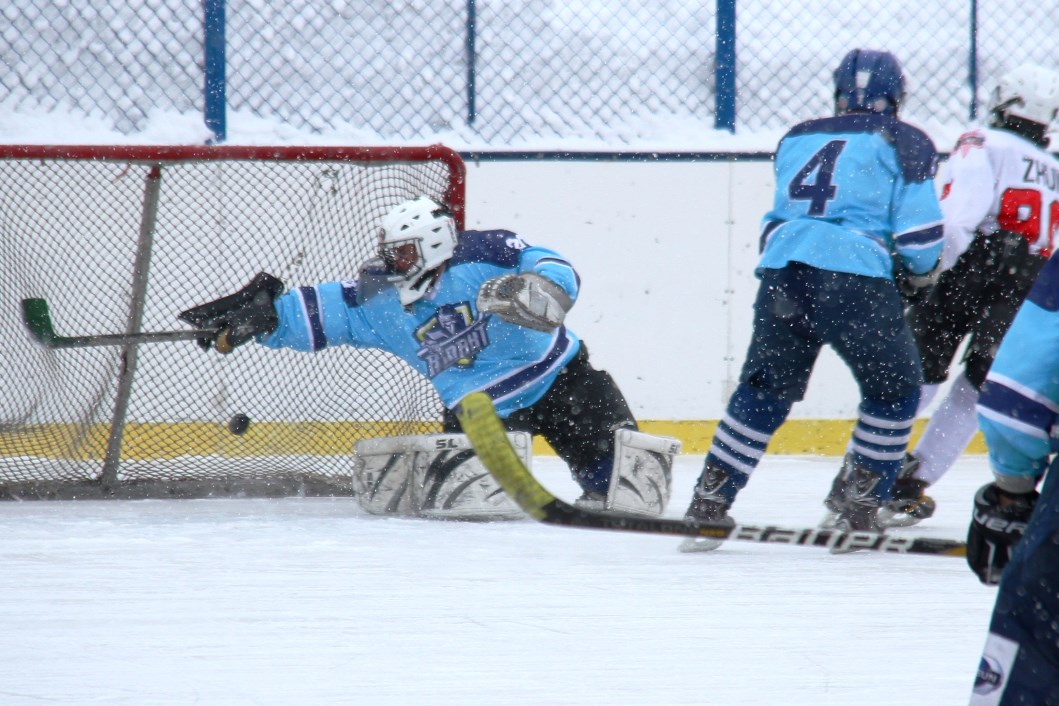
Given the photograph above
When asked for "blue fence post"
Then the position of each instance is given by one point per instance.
(472, 19)
(214, 89)
(724, 66)
(972, 61)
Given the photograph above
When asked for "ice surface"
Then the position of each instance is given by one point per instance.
(310, 601)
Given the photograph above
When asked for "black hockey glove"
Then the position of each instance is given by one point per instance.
(238, 317)
(914, 288)
(998, 524)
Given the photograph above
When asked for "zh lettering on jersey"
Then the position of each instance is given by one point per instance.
(450, 338)
(1038, 173)
(1018, 177)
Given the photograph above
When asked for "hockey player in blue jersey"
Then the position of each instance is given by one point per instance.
(472, 311)
(1014, 533)
(854, 204)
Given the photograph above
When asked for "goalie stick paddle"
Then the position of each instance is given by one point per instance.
(487, 434)
(37, 318)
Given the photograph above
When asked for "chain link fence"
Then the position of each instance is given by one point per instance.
(782, 78)
(502, 74)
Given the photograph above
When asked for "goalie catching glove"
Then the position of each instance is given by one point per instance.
(998, 524)
(238, 317)
(525, 300)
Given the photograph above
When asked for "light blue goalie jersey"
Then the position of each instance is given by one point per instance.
(442, 335)
(852, 192)
(1018, 408)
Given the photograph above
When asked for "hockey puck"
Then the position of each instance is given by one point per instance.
(238, 424)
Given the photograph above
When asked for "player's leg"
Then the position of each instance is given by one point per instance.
(587, 421)
(1012, 275)
(978, 297)
(948, 432)
(864, 322)
(578, 416)
(939, 324)
(1020, 661)
(1003, 272)
(775, 374)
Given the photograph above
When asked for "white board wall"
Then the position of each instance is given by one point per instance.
(666, 252)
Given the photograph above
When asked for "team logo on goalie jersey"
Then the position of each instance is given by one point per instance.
(451, 337)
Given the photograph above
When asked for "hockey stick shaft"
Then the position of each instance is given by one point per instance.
(37, 318)
(487, 434)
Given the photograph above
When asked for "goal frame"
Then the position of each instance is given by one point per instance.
(156, 158)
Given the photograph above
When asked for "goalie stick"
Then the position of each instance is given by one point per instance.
(487, 434)
(36, 317)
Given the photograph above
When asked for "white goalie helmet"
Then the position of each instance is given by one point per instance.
(1028, 92)
(416, 237)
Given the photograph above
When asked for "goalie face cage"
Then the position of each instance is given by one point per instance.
(120, 239)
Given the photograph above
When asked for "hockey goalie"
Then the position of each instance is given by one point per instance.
(472, 311)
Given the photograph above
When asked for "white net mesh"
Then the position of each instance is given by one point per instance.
(79, 228)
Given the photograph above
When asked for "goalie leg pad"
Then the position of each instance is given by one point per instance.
(436, 475)
(642, 476)
(382, 474)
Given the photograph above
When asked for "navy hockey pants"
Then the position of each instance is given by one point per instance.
(799, 309)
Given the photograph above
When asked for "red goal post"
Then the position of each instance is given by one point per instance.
(121, 238)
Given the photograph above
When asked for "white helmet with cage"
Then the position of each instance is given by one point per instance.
(416, 238)
(1029, 92)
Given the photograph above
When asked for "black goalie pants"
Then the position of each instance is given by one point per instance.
(577, 416)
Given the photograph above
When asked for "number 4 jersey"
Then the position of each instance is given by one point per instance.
(852, 192)
(997, 180)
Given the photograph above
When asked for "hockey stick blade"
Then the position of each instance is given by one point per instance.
(37, 318)
(487, 434)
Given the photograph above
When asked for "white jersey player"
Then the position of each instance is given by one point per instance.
(1001, 204)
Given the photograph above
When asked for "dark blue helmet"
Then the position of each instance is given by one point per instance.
(869, 81)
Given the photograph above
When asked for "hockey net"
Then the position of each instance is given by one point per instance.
(121, 239)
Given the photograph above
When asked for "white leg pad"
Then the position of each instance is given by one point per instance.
(434, 475)
(642, 477)
(382, 474)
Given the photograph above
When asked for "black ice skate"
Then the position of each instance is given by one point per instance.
(909, 503)
(833, 502)
(707, 507)
(855, 502)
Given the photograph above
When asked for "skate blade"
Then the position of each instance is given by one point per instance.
(693, 545)
(889, 519)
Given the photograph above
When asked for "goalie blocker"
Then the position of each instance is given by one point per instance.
(440, 476)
